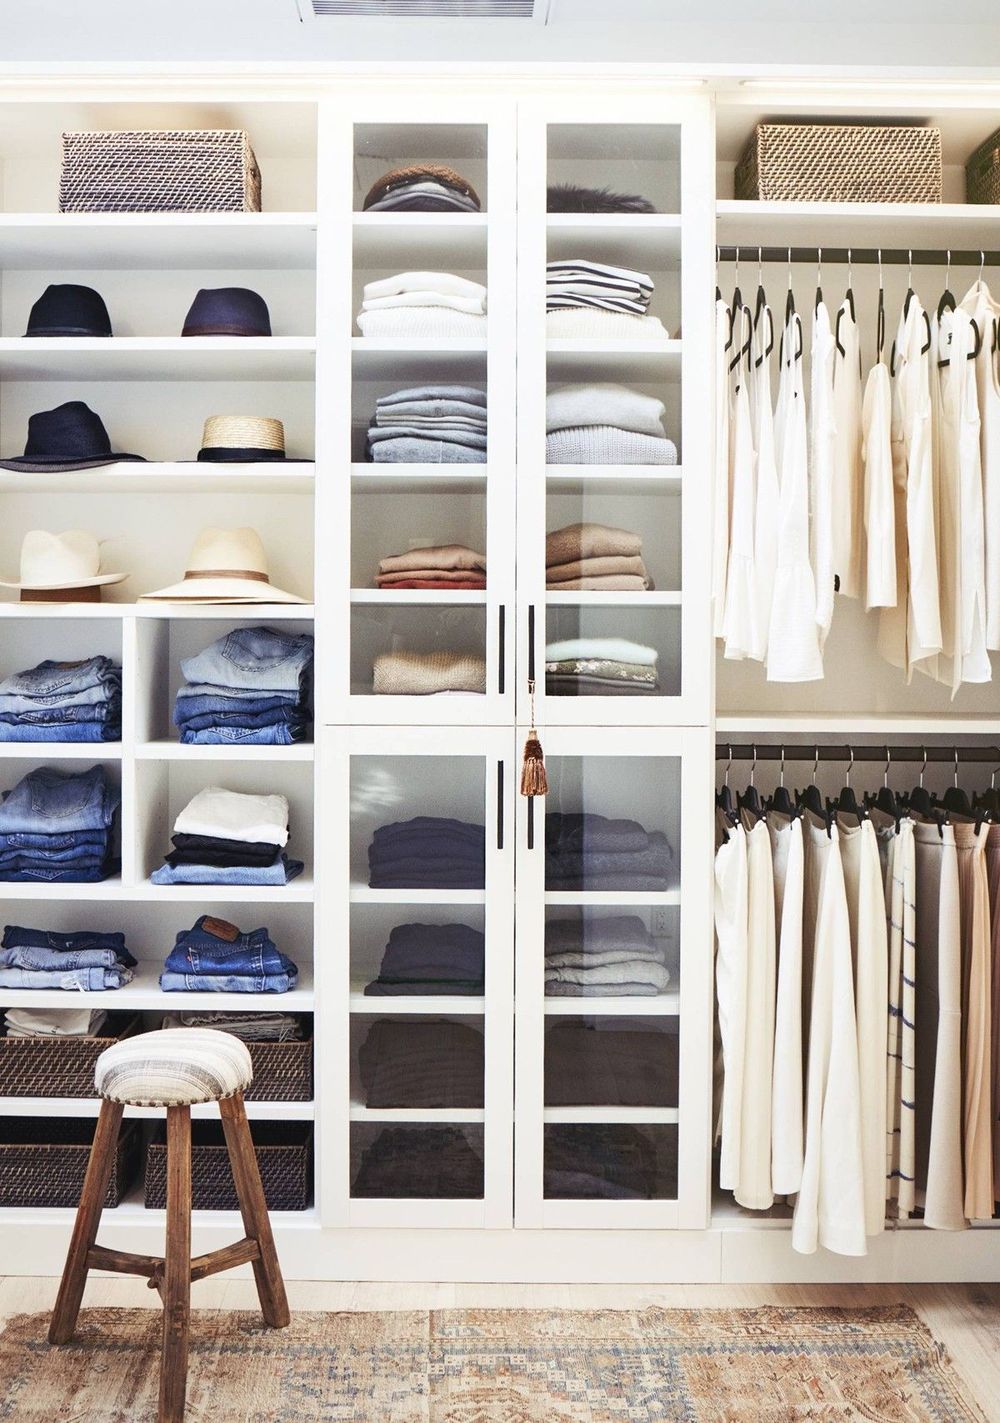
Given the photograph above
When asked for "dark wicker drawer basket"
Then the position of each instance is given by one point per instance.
(159, 170)
(282, 1072)
(982, 172)
(58, 1067)
(43, 1161)
(284, 1155)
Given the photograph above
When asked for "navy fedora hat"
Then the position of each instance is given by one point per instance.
(227, 311)
(71, 436)
(68, 310)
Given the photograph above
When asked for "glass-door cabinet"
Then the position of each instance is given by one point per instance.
(613, 998)
(614, 415)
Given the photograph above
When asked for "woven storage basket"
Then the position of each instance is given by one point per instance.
(841, 163)
(43, 1161)
(282, 1072)
(58, 1067)
(159, 170)
(284, 1155)
(982, 172)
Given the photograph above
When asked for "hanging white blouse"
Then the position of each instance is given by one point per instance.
(822, 444)
(753, 1188)
(786, 1094)
(731, 898)
(720, 516)
(907, 641)
(847, 501)
(766, 512)
(879, 501)
(793, 652)
(830, 1209)
(740, 622)
(981, 306)
(901, 1044)
(870, 952)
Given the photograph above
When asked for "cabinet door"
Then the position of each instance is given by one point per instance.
(417, 976)
(418, 640)
(613, 1004)
(614, 413)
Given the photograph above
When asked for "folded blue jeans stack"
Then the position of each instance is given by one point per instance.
(63, 701)
(251, 687)
(429, 424)
(86, 961)
(217, 957)
(229, 837)
(56, 827)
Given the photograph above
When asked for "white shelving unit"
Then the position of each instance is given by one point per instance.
(328, 516)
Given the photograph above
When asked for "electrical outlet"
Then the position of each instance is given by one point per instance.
(659, 923)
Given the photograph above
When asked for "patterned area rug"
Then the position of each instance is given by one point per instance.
(495, 1366)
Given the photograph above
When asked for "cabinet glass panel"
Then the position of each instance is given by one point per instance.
(610, 1161)
(611, 1062)
(624, 953)
(421, 1161)
(390, 151)
(407, 1062)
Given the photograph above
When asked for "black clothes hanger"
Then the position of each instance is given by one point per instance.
(750, 800)
(846, 803)
(819, 280)
(737, 300)
(955, 799)
(848, 302)
(989, 802)
(947, 302)
(886, 800)
(811, 798)
(781, 802)
(880, 319)
(718, 297)
(724, 796)
(920, 798)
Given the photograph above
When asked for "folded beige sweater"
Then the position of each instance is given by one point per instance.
(594, 568)
(459, 576)
(590, 541)
(443, 556)
(610, 583)
(411, 674)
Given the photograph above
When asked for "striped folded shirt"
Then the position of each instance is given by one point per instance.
(574, 282)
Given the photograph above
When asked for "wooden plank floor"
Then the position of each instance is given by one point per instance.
(966, 1318)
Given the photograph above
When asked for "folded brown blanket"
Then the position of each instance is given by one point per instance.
(590, 541)
(609, 1067)
(611, 583)
(417, 674)
(433, 1063)
(454, 585)
(603, 667)
(595, 568)
(457, 576)
(439, 557)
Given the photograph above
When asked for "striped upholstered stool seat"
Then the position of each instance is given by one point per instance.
(175, 1067)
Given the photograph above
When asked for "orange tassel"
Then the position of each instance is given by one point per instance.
(533, 778)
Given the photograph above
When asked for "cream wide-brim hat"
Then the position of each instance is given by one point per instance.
(54, 561)
(225, 566)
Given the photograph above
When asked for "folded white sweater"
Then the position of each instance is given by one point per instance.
(612, 649)
(588, 323)
(571, 406)
(445, 282)
(417, 321)
(233, 815)
(426, 298)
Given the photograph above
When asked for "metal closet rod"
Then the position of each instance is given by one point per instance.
(810, 751)
(861, 256)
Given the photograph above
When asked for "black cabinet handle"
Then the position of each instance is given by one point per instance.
(531, 822)
(500, 803)
(531, 642)
(502, 649)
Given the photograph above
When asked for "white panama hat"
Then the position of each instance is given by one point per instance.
(68, 560)
(226, 566)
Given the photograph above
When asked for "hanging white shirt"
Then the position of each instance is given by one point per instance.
(822, 446)
(901, 1042)
(767, 508)
(830, 1209)
(720, 517)
(979, 303)
(879, 499)
(786, 1094)
(731, 899)
(740, 623)
(753, 1189)
(870, 952)
(793, 652)
(848, 480)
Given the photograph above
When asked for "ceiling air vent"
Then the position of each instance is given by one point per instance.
(426, 9)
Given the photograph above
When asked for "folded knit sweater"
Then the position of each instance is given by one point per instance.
(577, 541)
(604, 403)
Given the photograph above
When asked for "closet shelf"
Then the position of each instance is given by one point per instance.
(144, 994)
(609, 897)
(801, 725)
(188, 358)
(239, 612)
(886, 225)
(648, 240)
(132, 1212)
(179, 751)
(596, 598)
(649, 1116)
(446, 1005)
(583, 479)
(434, 597)
(157, 241)
(61, 750)
(90, 1106)
(420, 478)
(167, 477)
(424, 1115)
(363, 894)
(419, 241)
(113, 891)
(629, 361)
(666, 1005)
(404, 360)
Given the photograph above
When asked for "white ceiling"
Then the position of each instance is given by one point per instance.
(742, 32)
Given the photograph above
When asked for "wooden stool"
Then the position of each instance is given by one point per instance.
(174, 1069)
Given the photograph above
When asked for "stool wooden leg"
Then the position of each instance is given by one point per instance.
(253, 1208)
(88, 1220)
(177, 1268)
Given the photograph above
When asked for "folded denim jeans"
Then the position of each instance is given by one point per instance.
(256, 657)
(280, 873)
(69, 875)
(56, 716)
(85, 980)
(241, 721)
(228, 983)
(247, 962)
(49, 960)
(239, 695)
(48, 800)
(27, 859)
(202, 935)
(61, 681)
(187, 707)
(64, 840)
(106, 695)
(17, 937)
(94, 732)
(243, 736)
